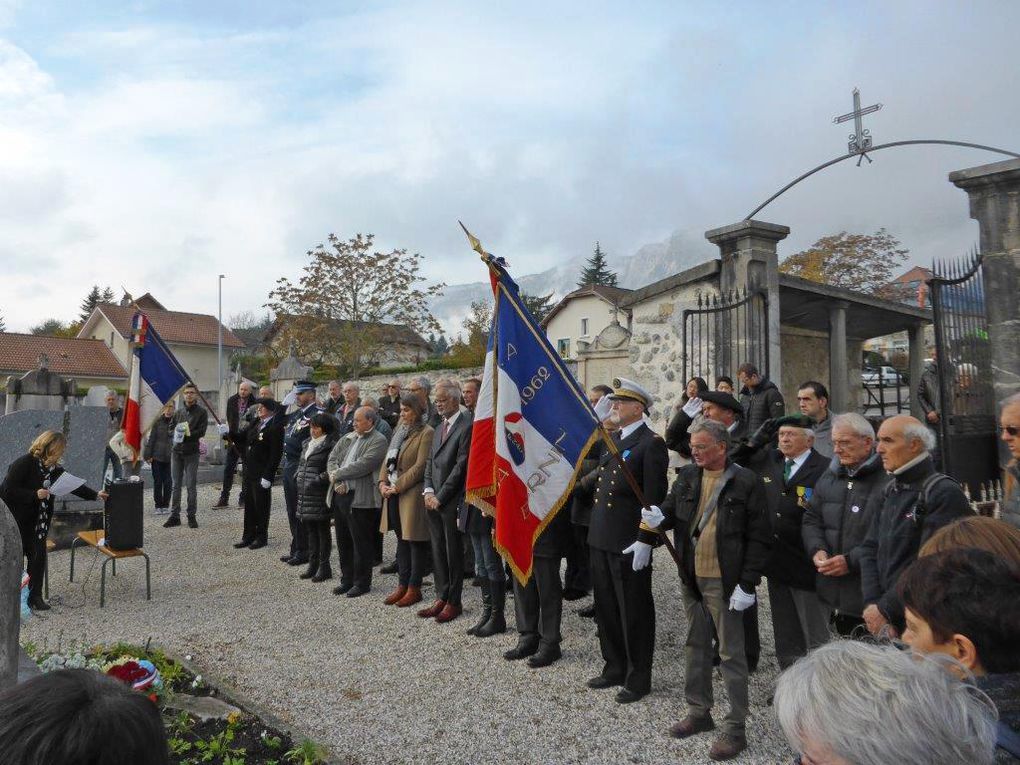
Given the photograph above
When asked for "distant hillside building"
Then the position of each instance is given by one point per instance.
(191, 337)
(399, 346)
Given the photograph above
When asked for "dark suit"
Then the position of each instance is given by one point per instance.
(538, 606)
(234, 442)
(800, 621)
(624, 609)
(577, 577)
(262, 458)
(345, 417)
(445, 472)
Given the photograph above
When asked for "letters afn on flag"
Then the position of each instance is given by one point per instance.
(533, 425)
(156, 377)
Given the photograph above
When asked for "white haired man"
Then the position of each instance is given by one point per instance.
(916, 503)
(836, 707)
(345, 413)
(845, 500)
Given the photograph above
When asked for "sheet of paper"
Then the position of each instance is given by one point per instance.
(65, 484)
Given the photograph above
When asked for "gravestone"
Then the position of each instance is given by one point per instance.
(19, 429)
(86, 445)
(40, 389)
(10, 597)
(290, 370)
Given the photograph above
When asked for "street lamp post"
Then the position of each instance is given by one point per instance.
(219, 343)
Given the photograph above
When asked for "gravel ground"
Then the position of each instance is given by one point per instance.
(374, 683)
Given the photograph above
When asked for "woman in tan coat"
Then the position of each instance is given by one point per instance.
(401, 481)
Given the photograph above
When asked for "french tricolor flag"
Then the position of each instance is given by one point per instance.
(532, 427)
(156, 377)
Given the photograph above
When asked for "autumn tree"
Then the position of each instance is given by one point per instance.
(861, 262)
(471, 351)
(539, 305)
(596, 270)
(338, 311)
(54, 328)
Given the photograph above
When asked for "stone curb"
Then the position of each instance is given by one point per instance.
(229, 693)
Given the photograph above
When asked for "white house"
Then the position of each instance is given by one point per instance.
(580, 316)
(191, 337)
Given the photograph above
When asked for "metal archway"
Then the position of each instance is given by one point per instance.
(864, 154)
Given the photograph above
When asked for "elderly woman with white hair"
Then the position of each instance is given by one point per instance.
(851, 703)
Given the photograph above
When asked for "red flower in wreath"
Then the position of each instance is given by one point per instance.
(129, 672)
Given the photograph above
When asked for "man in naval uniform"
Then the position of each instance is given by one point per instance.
(620, 568)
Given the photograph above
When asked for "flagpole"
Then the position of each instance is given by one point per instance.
(184, 372)
(636, 488)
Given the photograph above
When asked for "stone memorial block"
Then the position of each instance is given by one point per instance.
(40, 389)
(96, 396)
(19, 429)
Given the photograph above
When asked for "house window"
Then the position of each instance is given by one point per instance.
(584, 328)
(111, 339)
(563, 346)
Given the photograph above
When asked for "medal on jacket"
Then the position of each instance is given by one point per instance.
(803, 495)
(260, 435)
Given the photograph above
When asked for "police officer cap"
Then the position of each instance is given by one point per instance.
(723, 399)
(269, 403)
(795, 420)
(304, 385)
(628, 390)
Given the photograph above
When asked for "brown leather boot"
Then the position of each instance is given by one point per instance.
(433, 610)
(398, 592)
(412, 596)
(691, 725)
(726, 747)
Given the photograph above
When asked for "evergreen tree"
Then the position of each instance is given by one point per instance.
(3, 326)
(596, 270)
(94, 298)
(539, 305)
(108, 296)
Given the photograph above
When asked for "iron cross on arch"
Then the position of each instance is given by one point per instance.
(860, 139)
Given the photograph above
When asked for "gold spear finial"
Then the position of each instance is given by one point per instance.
(475, 244)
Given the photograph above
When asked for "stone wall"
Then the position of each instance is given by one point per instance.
(806, 357)
(656, 355)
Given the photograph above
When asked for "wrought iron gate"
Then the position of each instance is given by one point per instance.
(967, 402)
(725, 331)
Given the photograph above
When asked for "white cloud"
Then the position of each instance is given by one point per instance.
(185, 151)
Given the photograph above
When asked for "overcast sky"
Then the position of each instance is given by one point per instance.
(155, 145)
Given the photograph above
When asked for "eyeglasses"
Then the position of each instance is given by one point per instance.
(1013, 430)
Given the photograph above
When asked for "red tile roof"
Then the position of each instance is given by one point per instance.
(69, 356)
(173, 326)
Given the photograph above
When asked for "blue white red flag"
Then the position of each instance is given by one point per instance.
(533, 425)
(156, 377)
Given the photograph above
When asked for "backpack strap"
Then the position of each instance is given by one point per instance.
(924, 495)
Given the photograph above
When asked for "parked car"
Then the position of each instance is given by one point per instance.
(884, 376)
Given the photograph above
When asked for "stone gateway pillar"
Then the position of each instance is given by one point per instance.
(994, 192)
(749, 259)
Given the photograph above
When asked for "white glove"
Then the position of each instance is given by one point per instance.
(652, 516)
(740, 600)
(223, 428)
(692, 407)
(265, 483)
(642, 554)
